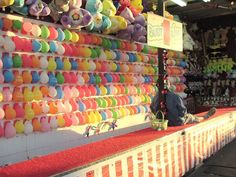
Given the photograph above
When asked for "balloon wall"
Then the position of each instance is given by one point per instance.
(53, 77)
(176, 70)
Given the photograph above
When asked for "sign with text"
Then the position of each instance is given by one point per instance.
(164, 33)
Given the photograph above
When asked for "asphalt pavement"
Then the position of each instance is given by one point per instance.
(222, 164)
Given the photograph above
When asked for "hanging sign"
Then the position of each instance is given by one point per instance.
(164, 33)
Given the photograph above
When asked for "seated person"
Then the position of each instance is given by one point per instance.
(176, 110)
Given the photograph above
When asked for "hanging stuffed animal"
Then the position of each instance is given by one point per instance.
(20, 7)
(187, 39)
(100, 22)
(122, 5)
(136, 7)
(140, 31)
(76, 17)
(38, 8)
(117, 22)
(6, 3)
(58, 7)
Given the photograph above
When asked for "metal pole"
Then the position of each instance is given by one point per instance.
(161, 71)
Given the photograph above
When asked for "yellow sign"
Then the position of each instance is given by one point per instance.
(164, 33)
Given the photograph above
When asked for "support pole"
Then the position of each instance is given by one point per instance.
(161, 71)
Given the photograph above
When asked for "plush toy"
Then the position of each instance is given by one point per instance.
(122, 4)
(76, 17)
(140, 31)
(187, 39)
(20, 7)
(136, 7)
(38, 8)
(58, 7)
(100, 22)
(117, 22)
(5, 3)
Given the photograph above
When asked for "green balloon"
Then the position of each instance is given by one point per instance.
(104, 42)
(17, 61)
(114, 114)
(155, 69)
(17, 25)
(93, 53)
(45, 32)
(118, 44)
(122, 79)
(99, 102)
(152, 60)
(145, 49)
(98, 51)
(45, 47)
(68, 35)
(113, 102)
(139, 90)
(109, 44)
(126, 90)
(98, 79)
(60, 78)
(104, 103)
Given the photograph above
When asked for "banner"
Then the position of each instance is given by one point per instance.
(164, 33)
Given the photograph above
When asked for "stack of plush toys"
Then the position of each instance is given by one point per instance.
(123, 18)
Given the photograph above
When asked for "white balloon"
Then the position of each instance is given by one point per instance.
(9, 45)
(43, 62)
(60, 49)
(52, 92)
(80, 79)
(28, 127)
(44, 77)
(45, 107)
(53, 123)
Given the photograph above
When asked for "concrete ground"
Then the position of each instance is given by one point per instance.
(222, 164)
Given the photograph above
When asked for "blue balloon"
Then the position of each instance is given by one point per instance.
(104, 115)
(7, 61)
(82, 106)
(108, 89)
(113, 44)
(36, 45)
(35, 77)
(117, 68)
(74, 65)
(8, 76)
(60, 93)
(53, 46)
(52, 80)
(134, 57)
(61, 34)
(108, 77)
(183, 64)
(92, 79)
(118, 55)
(98, 91)
(131, 58)
(138, 109)
(60, 64)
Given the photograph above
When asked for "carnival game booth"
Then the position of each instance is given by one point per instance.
(62, 88)
(147, 152)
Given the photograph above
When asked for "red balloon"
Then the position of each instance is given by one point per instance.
(81, 92)
(92, 90)
(87, 91)
(18, 43)
(74, 78)
(26, 61)
(68, 121)
(74, 105)
(94, 104)
(53, 33)
(67, 77)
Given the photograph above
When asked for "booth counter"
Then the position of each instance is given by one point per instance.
(146, 152)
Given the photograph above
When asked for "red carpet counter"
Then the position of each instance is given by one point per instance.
(146, 152)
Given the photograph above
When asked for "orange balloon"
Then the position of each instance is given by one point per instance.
(44, 90)
(17, 95)
(10, 113)
(52, 108)
(35, 61)
(37, 108)
(94, 39)
(36, 125)
(27, 77)
(7, 24)
(86, 77)
(81, 39)
(98, 66)
(18, 80)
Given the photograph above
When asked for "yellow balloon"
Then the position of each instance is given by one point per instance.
(52, 65)
(37, 94)
(98, 116)
(87, 52)
(67, 64)
(28, 95)
(60, 121)
(19, 126)
(75, 37)
(103, 90)
(29, 113)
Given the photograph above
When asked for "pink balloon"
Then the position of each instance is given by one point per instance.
(75, 120)
(67, 92)
(45, 126)
(20, 112)
(7, 94)
(60, 107)
(74, 78)
(67, 77)
(1, 78)
(10, 130)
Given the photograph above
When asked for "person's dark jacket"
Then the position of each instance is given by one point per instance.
(175, 108)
